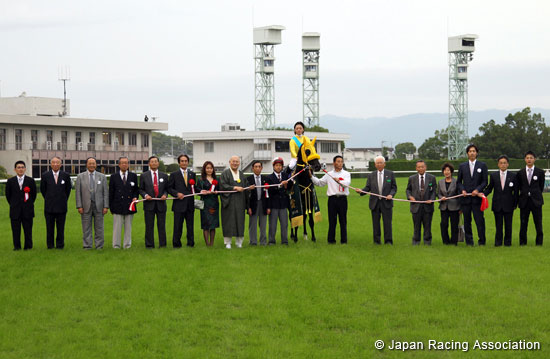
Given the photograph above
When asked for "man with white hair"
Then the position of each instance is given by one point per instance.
(382, 182)
(233, 204)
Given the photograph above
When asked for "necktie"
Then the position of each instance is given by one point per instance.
(185, 177)
(258, 190)
(92, 184)
(530, 175)
(20, 179)
(156, 184)
(279, 176)
(380, 182)
(55, 177)
(471, 169)
(422, 188)
(502, 179)
(124, 178)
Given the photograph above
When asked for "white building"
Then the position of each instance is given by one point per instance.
(358, 158)
(218, 147)
(32, 130)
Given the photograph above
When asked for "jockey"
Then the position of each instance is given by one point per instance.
(296, 142)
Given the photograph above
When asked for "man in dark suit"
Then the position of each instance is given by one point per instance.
(21, 193)
(381, 181)
(503, 185)
(258, 205)
(123, 189)
(154, 184)
(472, 178)
(181, 183)
(280, 202)
(55, 186)
(530, 181)
(422, 187)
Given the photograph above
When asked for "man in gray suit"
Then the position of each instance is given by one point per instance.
(422, 187)
(92, 202)
(381, 181)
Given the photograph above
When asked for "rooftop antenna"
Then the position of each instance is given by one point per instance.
(64, 74)
(265, 39)
(311, 46)
(461, 52)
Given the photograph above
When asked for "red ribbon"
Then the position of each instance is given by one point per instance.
(27, 190)
(214, 184)
(484, 203)
(192, 183)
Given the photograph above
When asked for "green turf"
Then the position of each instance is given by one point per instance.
(307, 300)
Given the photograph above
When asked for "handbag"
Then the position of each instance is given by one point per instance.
(199, 204)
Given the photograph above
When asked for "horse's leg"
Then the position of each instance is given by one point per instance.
(312, 225)
(305, 215)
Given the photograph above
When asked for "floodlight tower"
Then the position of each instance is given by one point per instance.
(265, 38)
(311, 45)
(461, 49)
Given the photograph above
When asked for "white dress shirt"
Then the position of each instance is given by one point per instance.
(334, 189)
(472, 166)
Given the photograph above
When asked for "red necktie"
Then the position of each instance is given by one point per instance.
(156, 185)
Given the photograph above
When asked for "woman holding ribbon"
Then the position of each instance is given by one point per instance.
(210, 219)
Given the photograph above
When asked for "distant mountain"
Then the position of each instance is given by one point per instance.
(415, 128)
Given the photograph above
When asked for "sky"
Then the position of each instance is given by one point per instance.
(191, 63)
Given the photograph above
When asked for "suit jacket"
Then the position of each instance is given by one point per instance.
(451, 204)
(121, 195)
(176, 184)
(55, 195)
(430, 189)
(82, 191)
(252, 198)
(468, 183)
(20, 209)
(146, 187)
(530, 192)
(389, 187)
(278, 196)
(503, 200)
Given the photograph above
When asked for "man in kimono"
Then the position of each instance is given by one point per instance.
(233, 204)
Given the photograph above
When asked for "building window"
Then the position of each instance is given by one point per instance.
(132, 139)
(261, 146)
(91, 144)
(209, 146)
(34, 139)
(78, 137)
(2, 139)
(282, 146)
(18, 139)
(106, 138)
(64, 140)
(49, 136)
(145, 140)
(120, 138)
(329, 147)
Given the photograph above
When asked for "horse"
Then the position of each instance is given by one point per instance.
(307, 159)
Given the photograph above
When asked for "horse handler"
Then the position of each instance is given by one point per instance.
(337, 193)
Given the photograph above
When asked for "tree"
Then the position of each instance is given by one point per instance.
(434, 148)
(3, 173)
(163, 145)
(172, 167)
(403, 149)
(514, 137)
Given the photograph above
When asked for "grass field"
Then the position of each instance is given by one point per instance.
(307, 300)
